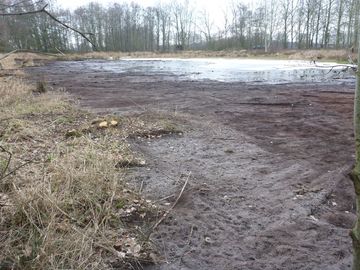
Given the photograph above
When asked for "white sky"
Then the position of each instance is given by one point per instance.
(216, 8)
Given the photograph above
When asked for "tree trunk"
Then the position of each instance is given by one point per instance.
(356, 24)
(355, 233)
(338, 26)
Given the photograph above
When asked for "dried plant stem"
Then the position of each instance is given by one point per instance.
(173, 205)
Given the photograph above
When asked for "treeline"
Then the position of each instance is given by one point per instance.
(267, 25)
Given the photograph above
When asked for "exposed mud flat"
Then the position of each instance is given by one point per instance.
(267, 166)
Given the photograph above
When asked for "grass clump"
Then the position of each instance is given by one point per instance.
(64, 203)
(41, 87)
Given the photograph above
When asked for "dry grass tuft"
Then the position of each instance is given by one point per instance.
(41, 87)
(334, 55)
(23, 59)
(63, 200)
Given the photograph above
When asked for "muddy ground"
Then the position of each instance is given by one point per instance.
(267, 167)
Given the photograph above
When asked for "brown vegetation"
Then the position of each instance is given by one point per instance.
(63, 198)
(26, 59)
(333, 55)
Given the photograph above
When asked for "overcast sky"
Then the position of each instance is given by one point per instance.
(216, 8)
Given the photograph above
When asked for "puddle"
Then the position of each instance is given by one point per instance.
(226, 70)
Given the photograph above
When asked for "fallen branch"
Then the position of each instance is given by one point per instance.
(345, 66)
(174, 204)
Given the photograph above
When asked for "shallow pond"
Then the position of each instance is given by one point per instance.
(228, 70)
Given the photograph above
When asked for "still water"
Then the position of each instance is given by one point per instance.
(228, 70)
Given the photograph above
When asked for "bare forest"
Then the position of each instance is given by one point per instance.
(266, 25)
(163, 137)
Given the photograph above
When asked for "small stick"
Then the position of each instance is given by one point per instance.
(16, 169)
(174, 204)
(165, 198)
(8, 54)
(190, 234)
(224, 139)
(59, 51)
(2, 176)
(141, 186)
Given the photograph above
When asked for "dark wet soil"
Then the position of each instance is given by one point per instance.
(267, 167)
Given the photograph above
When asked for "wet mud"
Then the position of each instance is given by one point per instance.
(267, 166)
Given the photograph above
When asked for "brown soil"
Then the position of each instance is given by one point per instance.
(268, 187)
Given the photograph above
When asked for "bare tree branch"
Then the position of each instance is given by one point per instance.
(69, 27)
(43, 10)
(18, 4)
(21, 13)
(21, 4)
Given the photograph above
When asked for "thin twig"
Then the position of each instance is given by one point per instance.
(2, 176)
(165, 198)
(62, 211)
(59, 51)
(69, 27)
(16, 169)
(190, 235)
(20, 4)
(21, 13)
(141, 186)
(224, 139)
(8, 54)
(174, 204)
